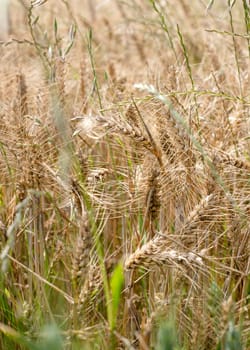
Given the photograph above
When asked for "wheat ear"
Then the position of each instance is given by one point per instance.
(156, 253)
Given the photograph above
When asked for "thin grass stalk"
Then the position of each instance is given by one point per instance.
(189, 72)
(246, 7)
(95, 82)
(43, 58)
(237, 62)
(164, 26)
(42, 279)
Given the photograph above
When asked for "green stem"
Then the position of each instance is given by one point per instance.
(96, 84)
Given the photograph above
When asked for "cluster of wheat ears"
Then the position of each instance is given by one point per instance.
(125, 175)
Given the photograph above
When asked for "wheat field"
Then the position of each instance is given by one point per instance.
(125, 175)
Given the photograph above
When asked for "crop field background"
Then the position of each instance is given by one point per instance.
(125, 175)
